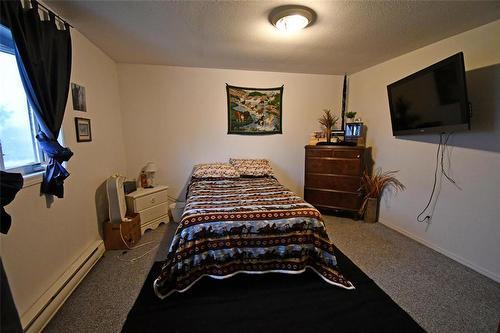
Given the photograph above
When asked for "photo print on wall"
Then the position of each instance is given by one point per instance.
(83, 131)
(78, 94)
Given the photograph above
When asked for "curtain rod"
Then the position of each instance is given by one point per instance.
(49, 10)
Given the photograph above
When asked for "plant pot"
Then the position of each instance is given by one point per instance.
(328, 134)
(371, 212)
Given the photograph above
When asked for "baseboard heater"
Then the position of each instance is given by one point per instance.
(39, 314)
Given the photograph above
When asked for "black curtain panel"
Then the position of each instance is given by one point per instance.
(43, 52)
(9, 317)
(10, 184)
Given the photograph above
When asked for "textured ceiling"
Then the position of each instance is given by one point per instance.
(347, 36)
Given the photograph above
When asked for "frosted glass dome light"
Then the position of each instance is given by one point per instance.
(291, 18)
(292, 23)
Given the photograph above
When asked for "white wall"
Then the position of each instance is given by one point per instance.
(177, 117)
(43, 242)
(465, 224)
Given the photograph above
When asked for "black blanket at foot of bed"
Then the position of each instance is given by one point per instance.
(271, 303)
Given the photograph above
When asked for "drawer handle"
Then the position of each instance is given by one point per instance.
(358, 156)
(153, 200)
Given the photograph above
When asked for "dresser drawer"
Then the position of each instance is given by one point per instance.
(333, 166)
(154, 212)
(340, 183)
(150, 200)
(311, 152)
(332, 199)
(348, 153)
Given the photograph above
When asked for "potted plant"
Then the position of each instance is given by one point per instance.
(373, 186)
(328, 121)
(350, 115)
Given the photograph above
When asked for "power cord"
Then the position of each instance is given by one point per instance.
(445, 146)
(428, 217)
(442, 146)
(139, 257)
(136, 247)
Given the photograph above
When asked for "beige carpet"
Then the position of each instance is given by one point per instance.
(439, 293)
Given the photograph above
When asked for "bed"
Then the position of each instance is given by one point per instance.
(255, 226)
(246, 225)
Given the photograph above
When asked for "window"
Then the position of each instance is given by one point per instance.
(19, 149)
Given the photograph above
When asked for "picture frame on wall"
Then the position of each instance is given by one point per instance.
(254, 111)
(83, 130)
(79, 98)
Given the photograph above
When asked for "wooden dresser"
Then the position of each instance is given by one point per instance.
(333, 177)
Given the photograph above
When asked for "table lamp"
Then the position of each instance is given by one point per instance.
(150, 171)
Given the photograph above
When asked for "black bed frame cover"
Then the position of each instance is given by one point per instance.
(271, 302)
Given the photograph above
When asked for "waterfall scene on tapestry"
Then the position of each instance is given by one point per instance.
(254, 111)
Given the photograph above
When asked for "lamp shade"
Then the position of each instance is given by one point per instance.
(150, 167)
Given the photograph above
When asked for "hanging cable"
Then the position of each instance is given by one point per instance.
(445, 146)
(427, 217)
(441, 150)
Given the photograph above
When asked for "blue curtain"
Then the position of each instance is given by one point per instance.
(43, 53)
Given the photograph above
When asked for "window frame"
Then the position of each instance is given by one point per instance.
(41, 158)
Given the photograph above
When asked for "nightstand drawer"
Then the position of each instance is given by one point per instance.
(153, 212)
(150, 200)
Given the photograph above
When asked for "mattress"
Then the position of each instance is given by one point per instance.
(246, 225)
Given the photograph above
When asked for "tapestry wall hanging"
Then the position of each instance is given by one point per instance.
(254, 111)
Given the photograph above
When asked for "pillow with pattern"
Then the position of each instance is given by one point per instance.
(252, 166)
(215, 170)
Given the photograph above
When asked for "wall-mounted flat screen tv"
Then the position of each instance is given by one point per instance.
(432, 100)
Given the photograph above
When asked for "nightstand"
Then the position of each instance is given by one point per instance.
(151, 204)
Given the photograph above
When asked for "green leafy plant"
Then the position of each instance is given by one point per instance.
(373, 185)
(350, 114)
(328, 120)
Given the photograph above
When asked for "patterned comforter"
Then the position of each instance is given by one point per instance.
(251, 225)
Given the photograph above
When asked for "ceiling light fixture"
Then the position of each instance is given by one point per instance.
(292, 18)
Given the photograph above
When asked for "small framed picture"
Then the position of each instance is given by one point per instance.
(83, 132)
(78, 94)
(354, 130)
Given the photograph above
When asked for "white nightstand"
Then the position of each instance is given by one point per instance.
(151, 204)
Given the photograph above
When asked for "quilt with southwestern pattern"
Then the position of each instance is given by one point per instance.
(251, 225)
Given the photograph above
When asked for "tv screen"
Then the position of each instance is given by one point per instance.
(433, 100)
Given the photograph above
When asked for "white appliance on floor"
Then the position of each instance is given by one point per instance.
(116, 198)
